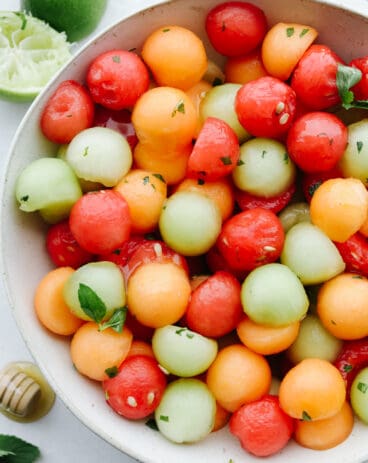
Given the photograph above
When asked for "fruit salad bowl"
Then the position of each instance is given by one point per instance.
(24, 259)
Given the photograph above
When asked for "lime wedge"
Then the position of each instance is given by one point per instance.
(31, 52)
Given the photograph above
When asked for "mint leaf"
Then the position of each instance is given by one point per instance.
(112, 372)
(362, 387)
(116, 321)
(160, 177)
(16, 450)
(347, 77)
(151, 423)
(217, 81)
(91, 303)
(3, 453)
(226, 160)
(179, 108)
(303, 32)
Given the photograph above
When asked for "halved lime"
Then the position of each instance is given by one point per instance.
(31, 52)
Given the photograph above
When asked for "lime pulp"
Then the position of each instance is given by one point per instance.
(31, 52)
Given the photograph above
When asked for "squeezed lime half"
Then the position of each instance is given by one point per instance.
(31, 52)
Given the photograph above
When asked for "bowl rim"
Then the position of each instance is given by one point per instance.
(359, 8)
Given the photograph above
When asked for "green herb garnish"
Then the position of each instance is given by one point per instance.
(150, 236)
(290, 31)
(164, 418)
(303, 32)
(179, 108)
(347, 367)
(363, 387)
(180, 330)
(116, 321)
(347, 77)
(91, 304)
(306, 416)
(313, 188)
(151, 423)
(160, 177)
(226, 161)
(116, 59)
(359, 145)
(217, 81)
(16, 450)
(112, 372)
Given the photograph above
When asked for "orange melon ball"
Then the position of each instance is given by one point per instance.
(284, 45)
(145, 192)
(325, 434)
(238, 376)
(139, 347)
(267, 340)
(339, 207)
(50, 306)
(342, 306)
(176, 56)
(196, 94)
(94, 351)
(245, 68)
(170, 163)
(166, 116)
(222, 417)
(158, 293)
(312, 390)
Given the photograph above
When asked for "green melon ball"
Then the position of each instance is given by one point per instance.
(219, 102)
(273, 295)
(314, 341)
(190, 223)
(96, 280)
(264, 168)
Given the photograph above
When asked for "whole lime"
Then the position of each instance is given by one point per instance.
(78, 18)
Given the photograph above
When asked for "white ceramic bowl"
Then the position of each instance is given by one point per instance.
(25, 261)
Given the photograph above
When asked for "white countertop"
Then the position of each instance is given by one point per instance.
(60, 436)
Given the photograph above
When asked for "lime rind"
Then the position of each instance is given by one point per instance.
(31, 52)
